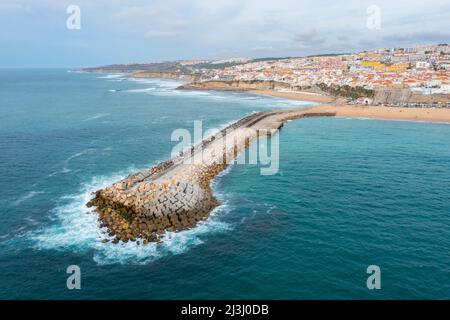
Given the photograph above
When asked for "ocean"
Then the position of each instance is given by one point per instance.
(349, 193)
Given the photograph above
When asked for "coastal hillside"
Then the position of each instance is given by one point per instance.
(164, 74)
(238, 85)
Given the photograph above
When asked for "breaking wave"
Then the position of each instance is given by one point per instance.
(27, 196)
(141, 90)
(75, 228)
(111, 76)
(97, 116)
(167, 87)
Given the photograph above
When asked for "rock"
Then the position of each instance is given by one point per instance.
(144, 206)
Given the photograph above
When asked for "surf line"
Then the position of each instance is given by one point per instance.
(175, 195)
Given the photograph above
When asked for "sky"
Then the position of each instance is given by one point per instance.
(34, 33)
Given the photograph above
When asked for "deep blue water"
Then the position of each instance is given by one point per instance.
(349, 194)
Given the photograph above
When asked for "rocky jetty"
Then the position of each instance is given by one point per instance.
(176, 194)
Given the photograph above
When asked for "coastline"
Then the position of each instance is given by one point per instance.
(269, 88)
(326, 103)
(388, 113)
(358, 111)
(333, 105)
(176, 194)
(301, 95)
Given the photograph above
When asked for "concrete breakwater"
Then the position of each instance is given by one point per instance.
(176, 194)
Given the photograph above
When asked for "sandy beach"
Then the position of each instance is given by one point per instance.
(388, 113)
(331, 104)
(374, 112)
(272, 89)
(303, 96)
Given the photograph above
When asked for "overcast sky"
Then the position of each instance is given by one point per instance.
(33, 33)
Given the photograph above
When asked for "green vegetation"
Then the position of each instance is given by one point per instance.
(217, 65)
(328, 55)
(347, 91)
(270, 59)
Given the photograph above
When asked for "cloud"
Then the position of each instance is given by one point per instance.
(12, 7)
(262, 49)
(163, 29)
(423, 37)
(309, 38)
(155, 20)
(163, 33)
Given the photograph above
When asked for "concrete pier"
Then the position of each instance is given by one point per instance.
(176, 194)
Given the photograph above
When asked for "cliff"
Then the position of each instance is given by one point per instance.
(392, 96)
(238, 85)
(163, 74)
(269, 88)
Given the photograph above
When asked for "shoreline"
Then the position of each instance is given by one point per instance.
(189, 85)
(427, 115)
(175, 195)
(335, 104)
(270, 88)
(300, 95)
(330, 104)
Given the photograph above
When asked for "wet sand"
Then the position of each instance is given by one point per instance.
(388, 113)
(355, 111)
(303, 96)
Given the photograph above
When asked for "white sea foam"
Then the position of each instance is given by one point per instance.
(75, 227)
(215, 185)
(262, 102)
(66, 162)
(97, 116)
(156, 86)
(157, 82)
(141, 90)
(27, 196)
(163, 87)
(31, 221)
(117, 79)
(161, 82)
(76, 155)
(173, 243)
(111, 76)
(4, 236)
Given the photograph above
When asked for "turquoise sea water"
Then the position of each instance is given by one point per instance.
(349, 194)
